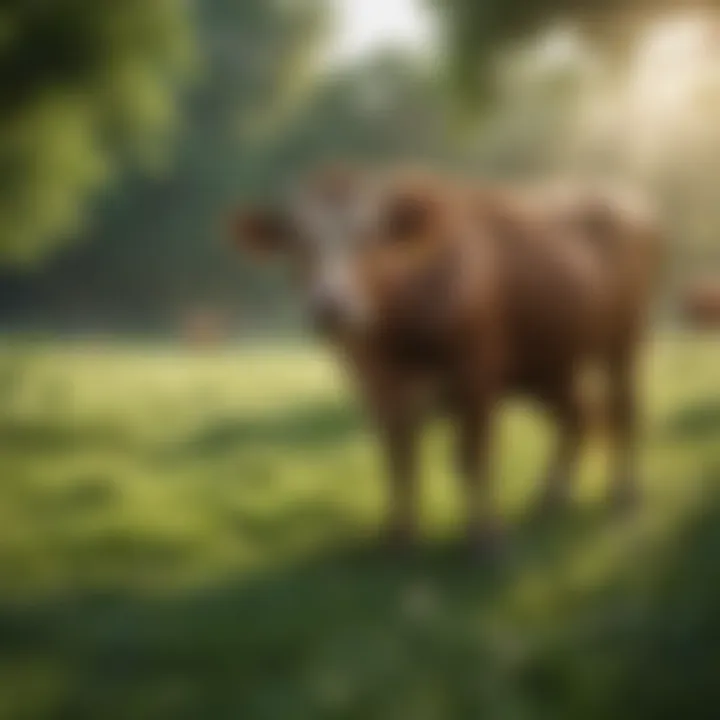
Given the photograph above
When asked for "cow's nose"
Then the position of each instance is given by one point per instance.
(327, 313)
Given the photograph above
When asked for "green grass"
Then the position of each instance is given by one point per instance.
(191, 535)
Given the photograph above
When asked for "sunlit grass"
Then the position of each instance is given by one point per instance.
(191, 534)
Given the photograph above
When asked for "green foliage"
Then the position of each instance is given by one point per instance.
(159, 243)
(196, 539)
(476, 32)
(83, 85)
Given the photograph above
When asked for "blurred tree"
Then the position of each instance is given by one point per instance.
(84, 85)
(155, 245)
(392, 108)
(476, 31)
(385, 109)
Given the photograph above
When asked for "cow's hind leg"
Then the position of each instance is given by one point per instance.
(474, 416)
(623, 490)
(568, 410)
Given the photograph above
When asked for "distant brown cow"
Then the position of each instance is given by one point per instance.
(701, 304)
(203, 327)
(446, 296)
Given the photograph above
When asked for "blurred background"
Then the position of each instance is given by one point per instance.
(188, 494)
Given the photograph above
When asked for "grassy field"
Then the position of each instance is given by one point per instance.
(191, 535)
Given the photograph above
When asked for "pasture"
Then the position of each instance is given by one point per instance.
(192, 535)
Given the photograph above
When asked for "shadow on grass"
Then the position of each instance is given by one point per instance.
(353, 632)
(308, 426)
(699, 421)
(652, 646)
(40, 435)
(350, 632)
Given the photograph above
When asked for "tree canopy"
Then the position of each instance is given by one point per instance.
(474, 32)
(155, 241)
(84, 86)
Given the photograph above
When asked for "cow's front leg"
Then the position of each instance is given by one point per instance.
(399, 436)
(474, 427)
(395, 411)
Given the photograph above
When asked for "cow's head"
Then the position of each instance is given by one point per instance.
(368, 248)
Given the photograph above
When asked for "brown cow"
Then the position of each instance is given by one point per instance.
(701, 303)
(438, 291)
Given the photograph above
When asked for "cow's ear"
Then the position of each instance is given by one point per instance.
(409, 214)
(261, 230)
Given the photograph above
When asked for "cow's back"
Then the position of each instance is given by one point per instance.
(576, 277)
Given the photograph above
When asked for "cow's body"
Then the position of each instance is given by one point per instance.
(701, 304)
(498, 293)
